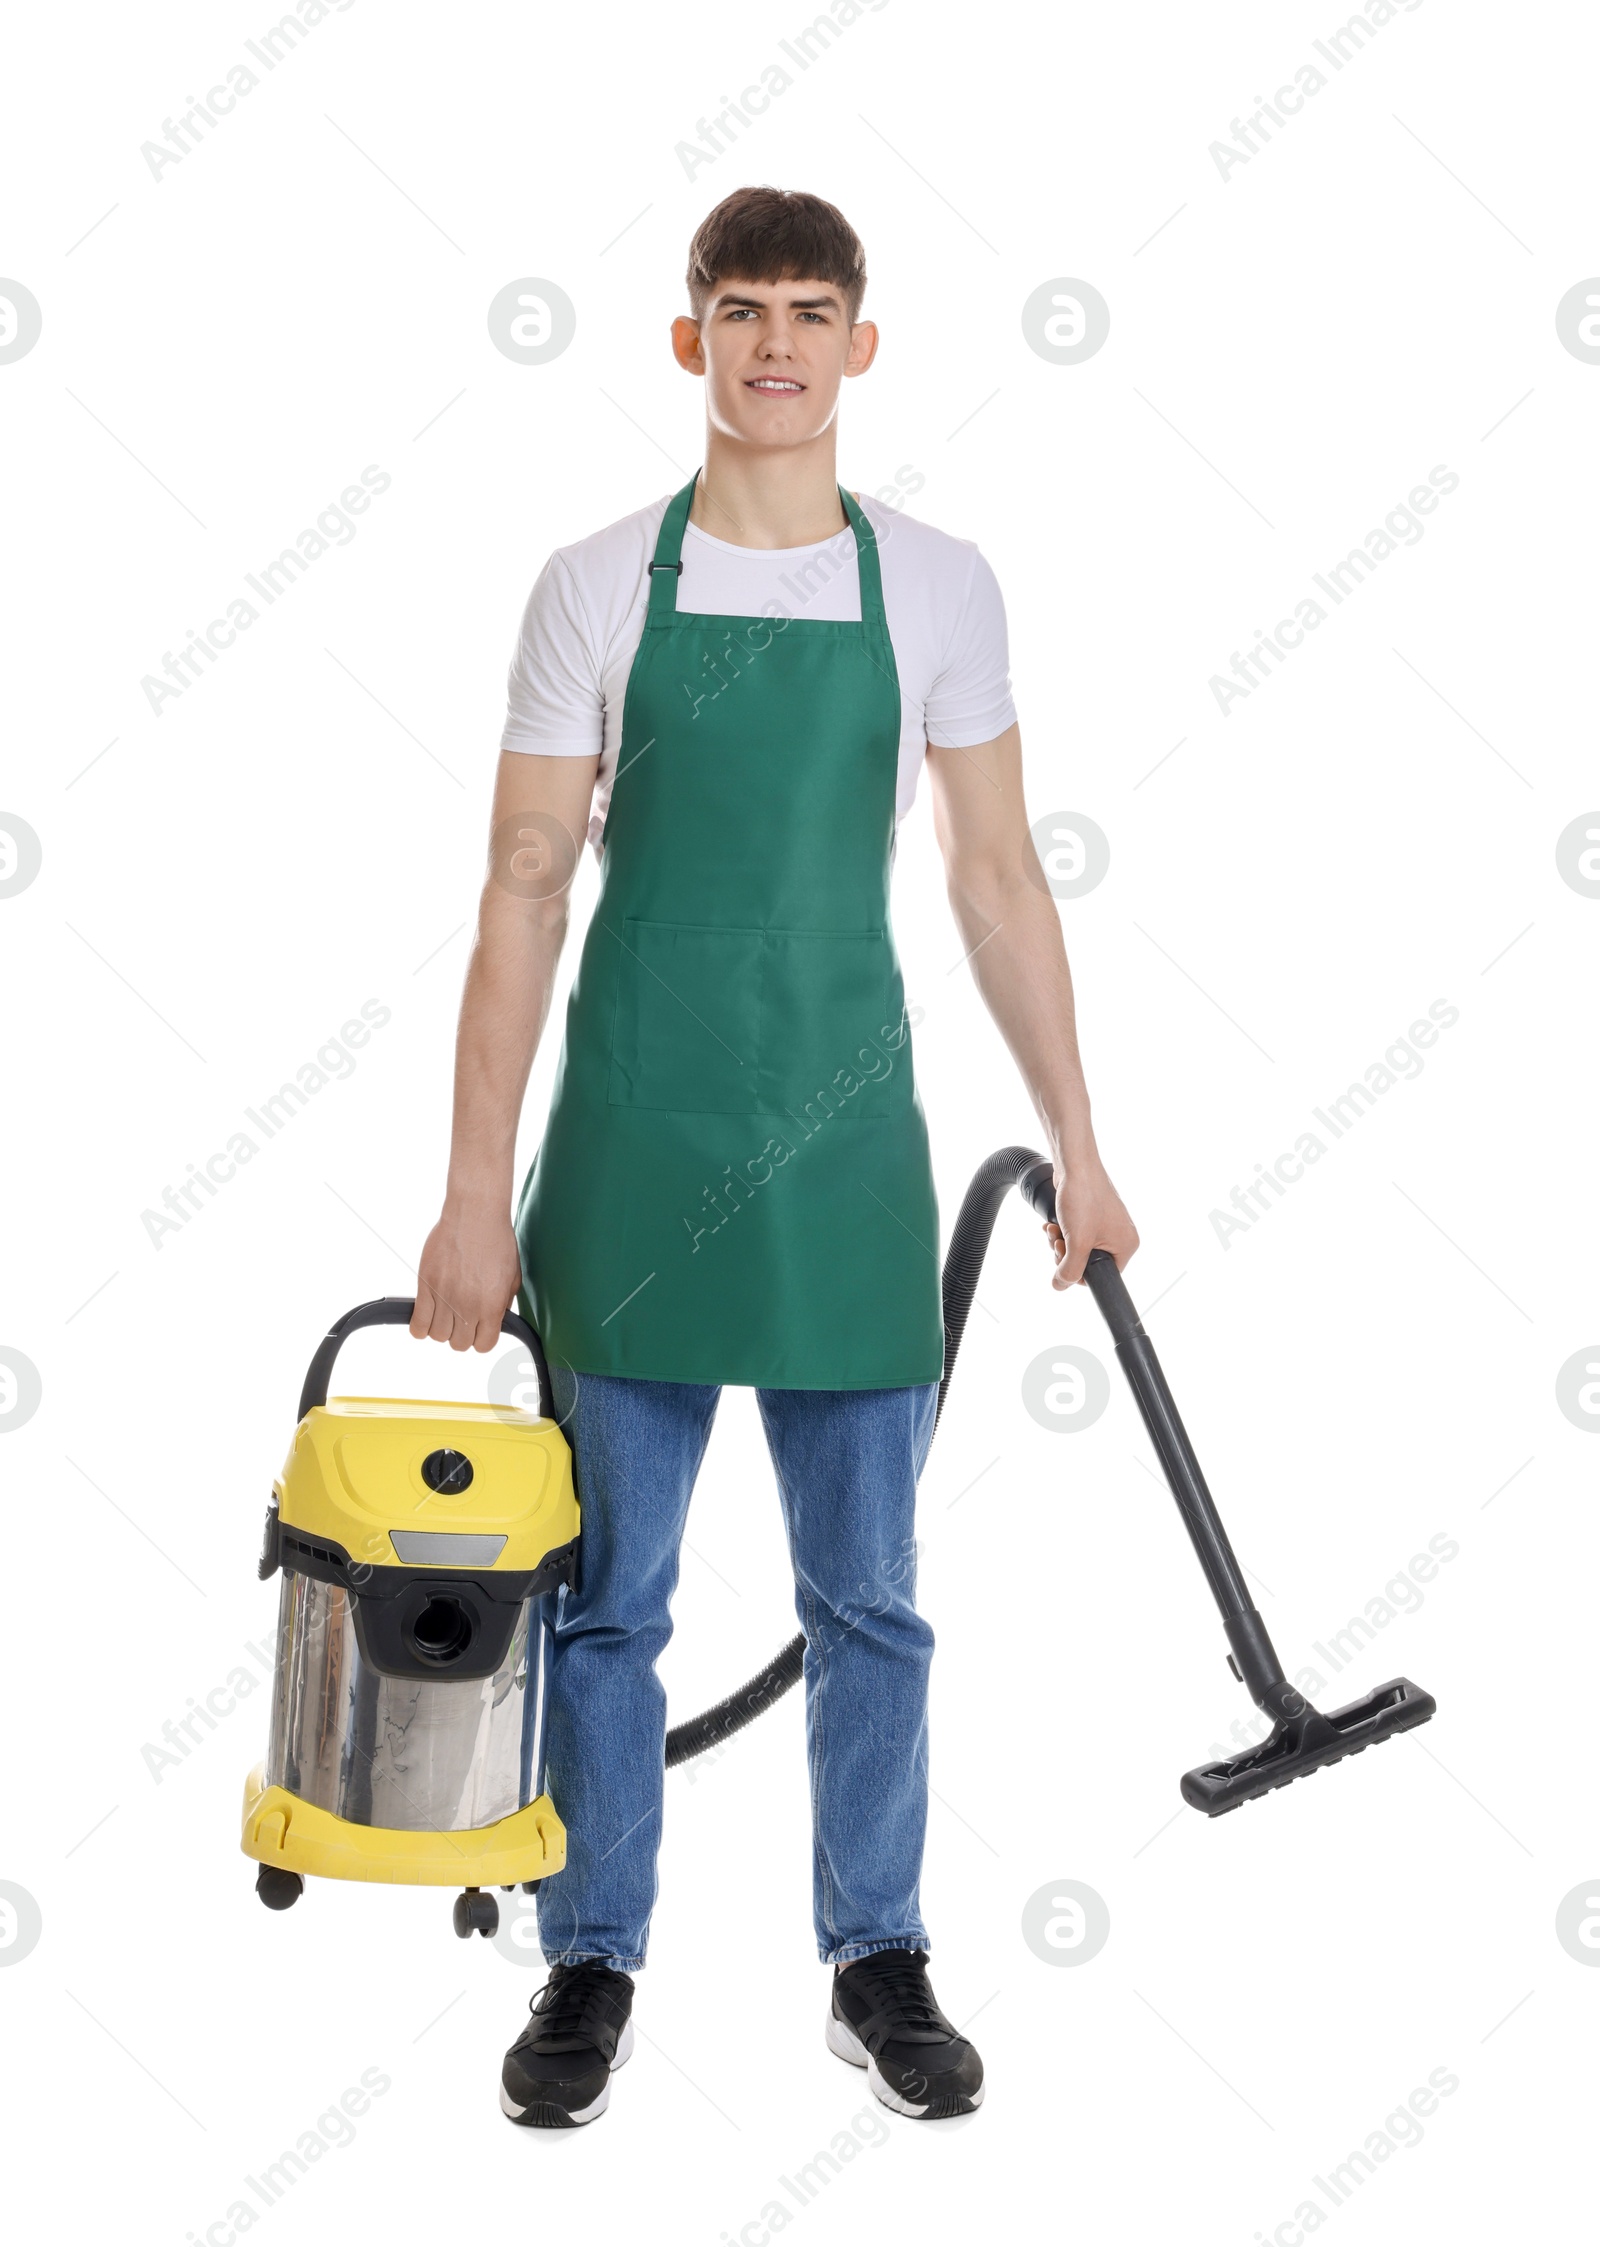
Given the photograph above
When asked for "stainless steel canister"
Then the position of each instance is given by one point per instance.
(424, 1755)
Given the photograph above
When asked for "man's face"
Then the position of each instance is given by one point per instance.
(773, 354)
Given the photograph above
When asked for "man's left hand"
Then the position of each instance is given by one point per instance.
(1089, 1214)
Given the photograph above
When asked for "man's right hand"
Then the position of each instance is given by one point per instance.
(470, 1272)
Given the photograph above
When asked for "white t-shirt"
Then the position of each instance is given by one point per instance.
(585, 617)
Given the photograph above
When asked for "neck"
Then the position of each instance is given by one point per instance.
(750, 497)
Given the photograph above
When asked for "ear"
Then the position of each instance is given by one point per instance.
(863, 347)
(686, 348)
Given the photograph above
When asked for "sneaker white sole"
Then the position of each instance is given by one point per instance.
(843, 2040)
(598, 2106)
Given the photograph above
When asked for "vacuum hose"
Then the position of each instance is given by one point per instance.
(993, 1180)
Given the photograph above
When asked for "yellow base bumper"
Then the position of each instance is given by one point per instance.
(280, 1829)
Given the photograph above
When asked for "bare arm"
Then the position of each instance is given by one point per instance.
(1012, 931)
(470, 1269)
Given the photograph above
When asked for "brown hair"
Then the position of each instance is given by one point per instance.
(776, 234)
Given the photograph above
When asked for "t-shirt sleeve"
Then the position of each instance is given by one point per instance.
(970, 698)
(554, 702)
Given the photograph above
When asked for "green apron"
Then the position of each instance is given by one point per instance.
(734, 1183)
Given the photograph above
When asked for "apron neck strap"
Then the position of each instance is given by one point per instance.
(867, 571)
(667, 565)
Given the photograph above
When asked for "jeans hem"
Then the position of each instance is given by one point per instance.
(614, 1960)
(846, 1954)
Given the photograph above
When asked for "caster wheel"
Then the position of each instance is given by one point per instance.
(278, 1889)
(475, 1913)
(530, 1888)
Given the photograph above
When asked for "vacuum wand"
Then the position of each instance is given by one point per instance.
(1255, 1660)
(1302, 1739)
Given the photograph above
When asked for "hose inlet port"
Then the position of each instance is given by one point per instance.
(442, 1630)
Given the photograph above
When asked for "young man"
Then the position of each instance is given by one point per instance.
(734, 1185)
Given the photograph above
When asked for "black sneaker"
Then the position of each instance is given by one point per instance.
(885, 2018)
(558, 2073)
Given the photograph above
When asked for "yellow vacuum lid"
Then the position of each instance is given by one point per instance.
(390, 1478)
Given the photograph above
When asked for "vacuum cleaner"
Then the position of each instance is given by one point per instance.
(416, 1542)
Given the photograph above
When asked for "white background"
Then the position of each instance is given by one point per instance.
(1371, 1365)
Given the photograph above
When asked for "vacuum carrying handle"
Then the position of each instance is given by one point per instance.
(396, 1310)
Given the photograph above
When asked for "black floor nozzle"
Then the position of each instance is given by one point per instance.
(1305, 1743)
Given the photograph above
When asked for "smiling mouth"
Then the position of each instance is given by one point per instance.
(775, 386)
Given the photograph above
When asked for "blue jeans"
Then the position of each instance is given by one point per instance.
(847, 1462)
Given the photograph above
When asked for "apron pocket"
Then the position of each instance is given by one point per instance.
(833, 1035)
(686, 1030)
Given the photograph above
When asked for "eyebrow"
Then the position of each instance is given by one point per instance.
(759, 304)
